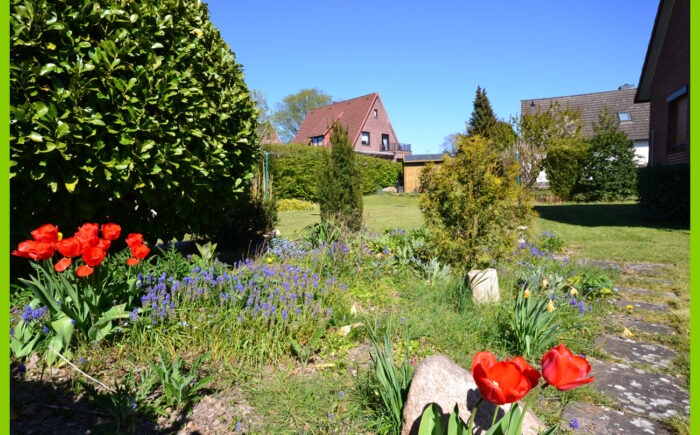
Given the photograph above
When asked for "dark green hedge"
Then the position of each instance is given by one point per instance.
(664, 193)
(129, 111)
(294, 171)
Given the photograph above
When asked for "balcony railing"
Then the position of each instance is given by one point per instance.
(396, 147)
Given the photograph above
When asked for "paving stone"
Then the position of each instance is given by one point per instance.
(646, 306)
(644, 291)
(654, 280)
(641, 392)
(635, 351)
(648, 327)
(599, 420)
(604, 264)
(645, 267)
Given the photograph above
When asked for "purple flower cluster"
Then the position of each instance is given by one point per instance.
(31, 314)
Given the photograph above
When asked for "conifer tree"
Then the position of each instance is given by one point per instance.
(483, 121)
(339, 190)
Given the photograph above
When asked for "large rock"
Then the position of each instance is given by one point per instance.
(484, 286)
(439, 380)
(390, 189)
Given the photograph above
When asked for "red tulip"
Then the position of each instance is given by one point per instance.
(93, 256)
(70, 247)
(132, 261)
(84, 270)
(34, 250)
(531, 374)
(500, 382)
(134, 239)
(111, 231)
(88, 234)
(46, 233)
(103, 244)
(140, 251)
(62, 264)
(563, 370)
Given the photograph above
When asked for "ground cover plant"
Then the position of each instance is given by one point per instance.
(311, 370)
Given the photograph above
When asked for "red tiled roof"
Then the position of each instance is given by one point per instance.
(351, 113)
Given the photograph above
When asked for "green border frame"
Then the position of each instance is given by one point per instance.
(5, 216)
(694, 217)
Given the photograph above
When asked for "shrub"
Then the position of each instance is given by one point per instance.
(294, 205)
(136, 111)
(473, 205)
(294, 169)
(339, 194)
(609, 171)
(563, 165)
(664, 193)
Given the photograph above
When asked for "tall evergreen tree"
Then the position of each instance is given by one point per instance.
(609, 171)
(339, 190)
(483, 121)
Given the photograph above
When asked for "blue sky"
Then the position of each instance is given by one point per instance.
(426, 60)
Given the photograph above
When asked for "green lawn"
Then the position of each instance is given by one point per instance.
(597, 231)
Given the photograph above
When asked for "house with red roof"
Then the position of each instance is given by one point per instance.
(368, 125)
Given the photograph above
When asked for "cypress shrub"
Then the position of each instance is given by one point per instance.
(339, 193)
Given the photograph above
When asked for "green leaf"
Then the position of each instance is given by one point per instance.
(147, 145)
(455, 425)
(36, 137)
(47, 69)
(62, 129)
(64, 329)
(71, 186)
(431, 422)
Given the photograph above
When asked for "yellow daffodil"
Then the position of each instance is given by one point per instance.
(270, 259)
(545, 282)
(573, 291)
(630, 307)
(527, 293)
(550, 306)
(626, 333)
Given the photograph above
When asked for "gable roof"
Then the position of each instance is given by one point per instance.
(351, 113)
(656, 43)
(268, 134)
(590, 105)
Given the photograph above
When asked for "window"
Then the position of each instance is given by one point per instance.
(365, 138)
(317, 141)
(385, 142)
(624, 116)
(677, 127)
(375, 113)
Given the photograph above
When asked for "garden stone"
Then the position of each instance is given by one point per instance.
(644, 291)
(636, 390)
(636, 352)
(439, 380)
(484, 286)
(600, 420)
(390, 189)
(647, 327)
(646, 306)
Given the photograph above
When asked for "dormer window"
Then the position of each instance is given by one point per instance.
(317, 141)
(624, 116)
(375, 113)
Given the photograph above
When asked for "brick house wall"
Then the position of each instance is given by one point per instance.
(672, 73)
(377, 126)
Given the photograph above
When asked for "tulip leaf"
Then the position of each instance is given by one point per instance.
(431, 421)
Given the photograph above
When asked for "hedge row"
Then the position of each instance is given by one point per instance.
(294, 171)
(664, 193)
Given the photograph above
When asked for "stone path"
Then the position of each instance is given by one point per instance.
(633, 382)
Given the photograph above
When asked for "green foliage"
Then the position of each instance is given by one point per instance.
(339, 194)
(294, 171)
(483, 122)
(392, 380)
(118, 404)
(549, 242)
(322, 233)
(89, 305)
(206, 256)
(136, 111)
(563, 164)
(664, 193)
(473, 205)
(294, 204)
(609, 171)
(179, 385)
(293, 108)
(251, 218)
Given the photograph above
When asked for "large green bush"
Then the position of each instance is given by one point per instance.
(473, 205)
(609, 171)
(294, 169)
(339, 193)
(664, 193)
(131, 111)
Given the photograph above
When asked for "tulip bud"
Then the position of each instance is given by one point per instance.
(626, 333)
(573, 291)
(550, 306)
(545, 282)
(527, 293)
